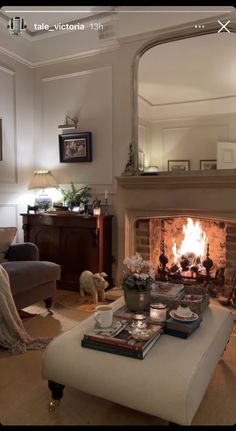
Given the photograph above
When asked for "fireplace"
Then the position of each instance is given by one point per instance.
(157, 202)
(185, 243)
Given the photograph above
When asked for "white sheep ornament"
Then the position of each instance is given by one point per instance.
(93, 284)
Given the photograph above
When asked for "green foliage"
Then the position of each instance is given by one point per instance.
(136, 282)
(74, 196)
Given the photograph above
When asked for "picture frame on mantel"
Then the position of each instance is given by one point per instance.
(208, 165)
(75, 147)
(178, 165)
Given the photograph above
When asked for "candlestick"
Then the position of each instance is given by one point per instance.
(105, 195)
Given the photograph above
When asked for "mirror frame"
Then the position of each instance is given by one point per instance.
(178, 33)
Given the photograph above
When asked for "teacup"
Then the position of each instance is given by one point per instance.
(103, 316)
(183, 311)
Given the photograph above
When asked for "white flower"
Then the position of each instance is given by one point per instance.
(136, 265)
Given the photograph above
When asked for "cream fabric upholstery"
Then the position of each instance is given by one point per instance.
(7, 235)
(169, 383)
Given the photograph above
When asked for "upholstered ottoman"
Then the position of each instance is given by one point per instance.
(169, 383)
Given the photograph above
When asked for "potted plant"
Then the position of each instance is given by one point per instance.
(75, 197)
(137, 283)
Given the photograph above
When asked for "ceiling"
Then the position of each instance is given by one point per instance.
(198, 68)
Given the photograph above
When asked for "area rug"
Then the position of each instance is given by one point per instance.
(90, 307)
(24, 395)
(77, 302)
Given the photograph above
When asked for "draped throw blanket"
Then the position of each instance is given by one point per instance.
(13, 335)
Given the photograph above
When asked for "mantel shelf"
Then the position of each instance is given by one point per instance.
(184, 181)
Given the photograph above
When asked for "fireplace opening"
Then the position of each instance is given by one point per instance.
(189, 249)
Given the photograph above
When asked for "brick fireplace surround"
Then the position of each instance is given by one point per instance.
(210, 196)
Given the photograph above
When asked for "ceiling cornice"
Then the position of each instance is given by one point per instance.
(114, 45)
(181, 102)
(71, 57)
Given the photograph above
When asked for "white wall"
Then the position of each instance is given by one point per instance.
(98, 90)
(16, 111)
(97, 87)
(88, 95)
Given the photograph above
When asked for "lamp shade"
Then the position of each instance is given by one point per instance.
(42, 180)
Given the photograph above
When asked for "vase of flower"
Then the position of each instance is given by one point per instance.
(137, 283)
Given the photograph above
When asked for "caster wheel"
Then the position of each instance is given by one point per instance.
(53, 405)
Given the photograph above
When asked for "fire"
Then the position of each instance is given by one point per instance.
(194, 242)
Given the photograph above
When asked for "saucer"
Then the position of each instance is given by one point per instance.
(179, 314)
(176, 316)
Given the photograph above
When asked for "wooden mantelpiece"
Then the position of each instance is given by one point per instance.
(74, 241)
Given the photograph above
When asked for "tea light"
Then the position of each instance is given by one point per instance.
(158, 312)
(139, 321)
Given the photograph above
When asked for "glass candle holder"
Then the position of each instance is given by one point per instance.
(97, 211)
(158, 312)
(139, 321)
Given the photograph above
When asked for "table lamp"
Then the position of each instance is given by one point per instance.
(42, 179)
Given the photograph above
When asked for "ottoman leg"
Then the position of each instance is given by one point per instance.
(57, 394)
(48, 303)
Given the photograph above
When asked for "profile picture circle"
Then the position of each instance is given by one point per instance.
(16, 25)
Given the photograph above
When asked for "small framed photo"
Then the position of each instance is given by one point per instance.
(75, 147)
(208, 165)
(178, 165)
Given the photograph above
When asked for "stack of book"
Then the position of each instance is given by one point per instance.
(119, 339)
(181, 329)
(163, 291)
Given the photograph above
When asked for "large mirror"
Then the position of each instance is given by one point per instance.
(185, 101)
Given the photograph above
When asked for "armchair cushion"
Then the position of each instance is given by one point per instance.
(7, 235)
(28, 275)
(22, 251)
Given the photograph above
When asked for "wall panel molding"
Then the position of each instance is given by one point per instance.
(8, 164)
(9, 216)
(86, 94)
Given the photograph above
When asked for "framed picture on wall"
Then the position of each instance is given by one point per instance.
(75, 147)
(178, 165)
(208, 165)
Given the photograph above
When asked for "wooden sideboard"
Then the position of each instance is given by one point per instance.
(76, 242)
